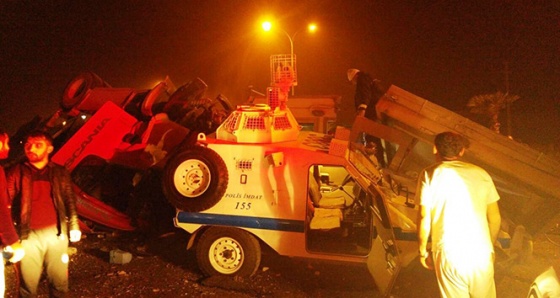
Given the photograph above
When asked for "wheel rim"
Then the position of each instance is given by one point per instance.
(192, 178)
(226, 255)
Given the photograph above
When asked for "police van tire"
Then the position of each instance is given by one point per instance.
(195, 179)
(228, 251)
(77, 88)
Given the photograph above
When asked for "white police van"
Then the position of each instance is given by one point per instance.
(262, 181)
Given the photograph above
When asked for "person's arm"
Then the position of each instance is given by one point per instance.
(69, 198)
(494, 220)
(8, 233)
(424, 230)
(362, 98)
(13, 180)
(424, 221)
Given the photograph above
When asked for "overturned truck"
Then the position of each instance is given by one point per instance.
(115, 141)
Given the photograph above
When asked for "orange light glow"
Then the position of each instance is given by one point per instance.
(312, 27)
(266, 26)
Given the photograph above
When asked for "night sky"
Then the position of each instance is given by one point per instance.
(443, 51)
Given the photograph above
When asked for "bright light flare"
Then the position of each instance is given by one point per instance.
(266, 26)
(312, 27)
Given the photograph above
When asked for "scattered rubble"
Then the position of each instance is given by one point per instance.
(162, 267)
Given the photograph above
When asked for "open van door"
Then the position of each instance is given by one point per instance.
(383, 260)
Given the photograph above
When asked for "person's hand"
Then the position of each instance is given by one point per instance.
(17, 252)
(75, 235)
(427, 262)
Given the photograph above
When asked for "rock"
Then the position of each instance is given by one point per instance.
(117, 256)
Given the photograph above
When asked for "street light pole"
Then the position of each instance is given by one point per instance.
(311, 27)
(291, 39)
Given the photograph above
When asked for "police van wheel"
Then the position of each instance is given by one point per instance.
(195, 179)
(228, 251)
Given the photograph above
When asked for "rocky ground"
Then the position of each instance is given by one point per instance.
(161, 267)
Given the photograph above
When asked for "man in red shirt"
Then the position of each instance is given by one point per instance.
(47, 216)
(8, 235)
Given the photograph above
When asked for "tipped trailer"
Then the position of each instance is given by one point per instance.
(528, 180)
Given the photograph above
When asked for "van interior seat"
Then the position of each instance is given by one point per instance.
(325, 219)
(327, 211)
(325, 199)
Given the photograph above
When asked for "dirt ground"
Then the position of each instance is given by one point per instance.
(161, 267)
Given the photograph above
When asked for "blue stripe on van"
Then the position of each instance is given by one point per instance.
(264, 223)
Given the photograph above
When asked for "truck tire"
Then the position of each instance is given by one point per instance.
(195, 179)
(228, 251)
(193, 90)
(77, 88)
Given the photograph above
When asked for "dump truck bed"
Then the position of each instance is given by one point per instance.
(528, 180)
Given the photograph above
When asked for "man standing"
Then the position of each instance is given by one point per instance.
(8, 235)
(47, 216)
(459, 209)
(368, 92)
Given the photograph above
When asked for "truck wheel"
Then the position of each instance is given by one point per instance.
(195, 179)
(228, 251)
(78, 87)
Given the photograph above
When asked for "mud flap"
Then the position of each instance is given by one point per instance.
(383, 260)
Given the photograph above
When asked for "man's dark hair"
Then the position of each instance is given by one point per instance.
(39, 134)
(450, 144)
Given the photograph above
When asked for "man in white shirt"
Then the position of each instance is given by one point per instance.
(459, 210)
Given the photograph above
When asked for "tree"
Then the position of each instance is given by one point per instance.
(491, 105)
